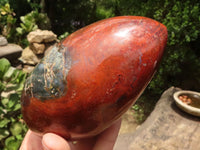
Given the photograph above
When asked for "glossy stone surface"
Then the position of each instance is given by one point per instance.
(90, 79)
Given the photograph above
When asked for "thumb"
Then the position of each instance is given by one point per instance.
(52, 141)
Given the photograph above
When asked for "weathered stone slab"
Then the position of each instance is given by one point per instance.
(10, 49)
(167, 128)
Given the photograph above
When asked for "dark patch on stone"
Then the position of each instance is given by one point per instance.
(48, 79)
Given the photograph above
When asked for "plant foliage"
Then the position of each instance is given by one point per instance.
(181, 63)
(16, 29)
(12, 127)
(7, 21)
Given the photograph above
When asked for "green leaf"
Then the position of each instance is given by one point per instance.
(4, 122)
(19, 78)
(20, 30)
(187, 38)
(135, 107)
(13, 100)
(17, 107)
(12, 144)
(7, 6)
(23, 26)
(16, 128)
(22, 18)
(5, 65)
(34, 27)
(16, 76)
(8, 73)
(19, 137)
(4, 101)
(12, 119)
(2, 86)
(10, 19)
(3, 133)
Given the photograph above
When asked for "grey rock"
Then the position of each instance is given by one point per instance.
(3, 41)
(167, 128)
(10, 49)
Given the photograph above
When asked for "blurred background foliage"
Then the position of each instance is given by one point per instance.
(12, 126)
(181, 63)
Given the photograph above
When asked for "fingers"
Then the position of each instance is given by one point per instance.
(49, 141)
(107, 139)
(52, 141)
(31, 141)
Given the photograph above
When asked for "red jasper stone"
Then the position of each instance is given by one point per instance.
(91, 78)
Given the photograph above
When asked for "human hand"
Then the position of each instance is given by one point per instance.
(50, 141)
